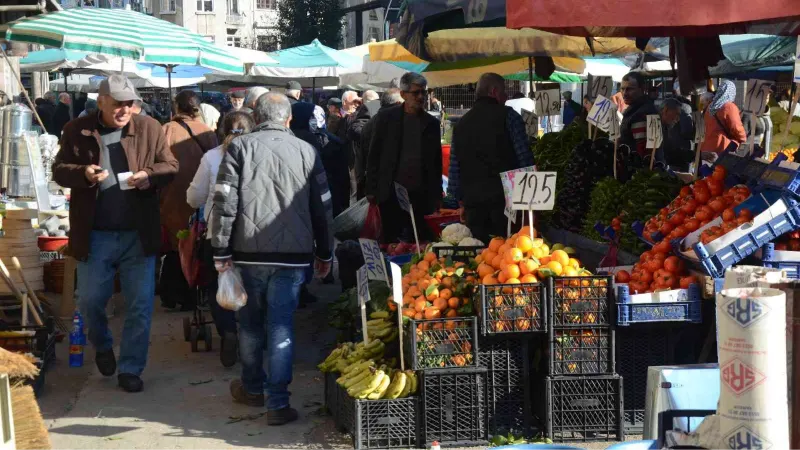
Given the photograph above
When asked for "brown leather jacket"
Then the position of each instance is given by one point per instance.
(146, 149)
(175, 211)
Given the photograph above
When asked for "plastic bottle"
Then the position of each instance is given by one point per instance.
(77, 340)
(435, 446)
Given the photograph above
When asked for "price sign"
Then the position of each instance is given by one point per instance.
(600, 86)
(755, 98)
(797, 63)
(402, 197)
(601, 113)
(699, 126)
(397, 297)
(507, 179)
(534, 191)
(373, 259)
(616, 121)
(547, 103)
(362, 281)
(654, 131)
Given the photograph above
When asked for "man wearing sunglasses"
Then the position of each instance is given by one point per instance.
(114, 161)
(405, 147)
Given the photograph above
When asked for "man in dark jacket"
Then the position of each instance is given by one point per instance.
(355, 126)
(61, 115)
(678, 131)
(633, 129)
(389, 98)
(46, 109)
(405, 149)
(114, 221)
(488, 140)
(272, 217)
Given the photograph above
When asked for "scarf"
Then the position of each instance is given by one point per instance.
(726, 93)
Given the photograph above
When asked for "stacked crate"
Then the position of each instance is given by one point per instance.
(452, 385)
(583, 394)
(19, 239)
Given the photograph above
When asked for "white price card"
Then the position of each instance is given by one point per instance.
(616, 121)
(507, 180)
(601, 113)
(755, 97)
(402, 197)
(363, 297)
(534, 191)
(600, 85)
(699, 126)
(547, 102)
(373, 259)
(397, 293)
(654, 131)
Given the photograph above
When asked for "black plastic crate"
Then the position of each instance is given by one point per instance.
(511, 308)
(580, 301)
(461, 253)
(378, 423)
(508, 385)
(638, 349)
(331, 393)
(453, 407)
(581, 351)
(583, 409)
(441, 343)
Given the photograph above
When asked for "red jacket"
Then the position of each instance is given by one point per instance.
(717, 139)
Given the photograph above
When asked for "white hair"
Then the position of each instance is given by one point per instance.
(294, 93)
(272, 108)
(349, 96)
(370, 95)
(64, 98)
(410, 78)
(253, 95)
(50, 96)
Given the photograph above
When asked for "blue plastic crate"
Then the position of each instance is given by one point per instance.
(684, 311)
(781, 178)
(398, 259)
(638, 230)
(769, 259)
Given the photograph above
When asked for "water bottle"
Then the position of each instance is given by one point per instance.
(77, 340)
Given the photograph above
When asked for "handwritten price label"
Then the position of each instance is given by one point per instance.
(362, 281)
(699, 126)
(373, 259)
(755, 98)
(507, 179)
(602, 113)
(547, 103)
(402, 197)
(654, 132)
(534, 191)
(600, 86)
(616, 121)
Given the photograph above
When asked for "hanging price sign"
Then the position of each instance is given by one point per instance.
(755, 98)
(654, 132)
(600, 86)
(534, 191)
(547, 103)
(363, 297)
(373, 259)
(616, 121)
(601, 113)
(402, 197)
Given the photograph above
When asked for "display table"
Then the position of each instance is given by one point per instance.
(693, 386)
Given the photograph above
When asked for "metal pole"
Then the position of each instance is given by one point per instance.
(169, 85)
(530, 75)
(65, 72)
(313, 90)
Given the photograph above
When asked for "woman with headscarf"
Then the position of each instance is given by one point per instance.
(188, 139)
(724, 129)
(200, 194)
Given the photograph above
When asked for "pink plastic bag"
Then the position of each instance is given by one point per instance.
(372, 224)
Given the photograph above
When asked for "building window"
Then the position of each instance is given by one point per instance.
(374, 33)
(267, 43)
(168, 6)
(233, 6)
(205, 5)
(373, 14)
(233, 40)
(266, 4)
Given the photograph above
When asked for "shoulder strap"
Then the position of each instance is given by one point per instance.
(189, 130)
(721, 125)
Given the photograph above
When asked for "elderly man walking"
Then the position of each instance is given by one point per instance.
(272, 216)
(114, 161)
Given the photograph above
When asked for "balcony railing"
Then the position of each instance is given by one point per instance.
(234, 19)
(135, 5)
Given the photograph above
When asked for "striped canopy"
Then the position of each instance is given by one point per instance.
(123, 33)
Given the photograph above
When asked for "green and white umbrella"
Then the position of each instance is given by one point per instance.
(126, 34)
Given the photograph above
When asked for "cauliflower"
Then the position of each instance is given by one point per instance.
(442, 244)
(455, 232)
(471, 242)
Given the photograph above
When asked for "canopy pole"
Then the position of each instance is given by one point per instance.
(313, 90)
(22, 88)
(530, 75)
(169, 85)
(65, 73)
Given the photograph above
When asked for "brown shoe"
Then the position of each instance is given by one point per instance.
(281, 416)
(240, 395)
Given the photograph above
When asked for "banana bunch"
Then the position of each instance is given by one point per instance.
(380, 327)
(348, 354)
(366, 381)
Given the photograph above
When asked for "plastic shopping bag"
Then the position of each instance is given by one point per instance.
(230, 293)
(372, 224)
(348, 224)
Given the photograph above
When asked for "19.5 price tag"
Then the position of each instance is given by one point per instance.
(534, 191)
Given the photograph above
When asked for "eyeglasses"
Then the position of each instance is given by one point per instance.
(420, 93)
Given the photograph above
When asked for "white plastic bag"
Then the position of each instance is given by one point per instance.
(230, 292)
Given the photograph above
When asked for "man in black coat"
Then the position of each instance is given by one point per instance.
(405, 149)
(46, 108)
(62, 114)
(389, 98)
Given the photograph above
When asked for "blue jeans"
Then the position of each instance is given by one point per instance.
(111, 251)
(267, 322)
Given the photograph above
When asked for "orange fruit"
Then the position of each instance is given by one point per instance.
(430, 257)
(423, 265)
(418, 316)
(514, 255)
(527, 266)
(510, 290)
(423, 284)
(524, 243)
(488, 256)
(440, 304)
(420, 304)
(503, 249)
(528, 278)
(445, 294)
(501, 277)
(561, 257)
(414, 291)
(511, 271)
(556, 267)
(544, 260)
(525, 231)
(497, 262)
(454, 302)
(409, 312)
(451, 313)
(485, 269)
(447, 282)
(433, 313)
(489, 280)
(495, 244)
(434, 294)
(574, 263)
(537, 253)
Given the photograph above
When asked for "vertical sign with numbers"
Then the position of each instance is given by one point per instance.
(402, 197)
(601, 113)
(755, 98)
(600, 86)
(373, 260)
(534, 191)
(507, 179)
(654, 132)
(616, 121)
(699, 126)
(547, 103)
(362, 281)
(397, 293)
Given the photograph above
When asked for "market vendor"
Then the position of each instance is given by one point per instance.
(115, 222)
(488, 140)
(724, 129)
(633, 129)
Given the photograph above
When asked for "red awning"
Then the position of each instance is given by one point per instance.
(645, 18)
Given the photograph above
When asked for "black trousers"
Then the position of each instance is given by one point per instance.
(173, 288)
(396, 222)
(487, 221)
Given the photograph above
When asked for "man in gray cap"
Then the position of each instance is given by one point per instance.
(114, 161)
(293, 91)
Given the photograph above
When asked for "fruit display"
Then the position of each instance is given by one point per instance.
(656, 271)
(382, 327)
(552, 153)
(441, 343)
(792, 141)
(436, 288)
(403, 248)
(344, 313)
(788, 152)
(583, 351)
(730, 221)
(583, 300)
(789, 242)
(642, 197)
(590, 162)
(459, 235)
(604, 206)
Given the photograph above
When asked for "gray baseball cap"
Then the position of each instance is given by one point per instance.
(119, 88)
